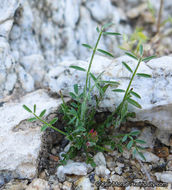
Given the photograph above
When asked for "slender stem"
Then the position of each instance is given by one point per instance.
(58, 130)
(131, 80)
(92, 57)
(87, 77)
(126, 92)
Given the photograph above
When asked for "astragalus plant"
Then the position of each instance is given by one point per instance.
(81, 129)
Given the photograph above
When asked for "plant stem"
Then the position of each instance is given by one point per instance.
(92, 57)
(118, 109)
(131, 80)
(87, 77)
(58, 130)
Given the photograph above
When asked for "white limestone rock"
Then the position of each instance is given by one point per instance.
(34, 64)
(164, 176)
(156, 99)
(38, 184)
(52, 31)
(20, 141)
(149, 156)
(84, 184)
(99, 159)
(75, 168)
(102, 171)
(163, 136)
(147, 136)
(100, 9)
(25, 79)
(8, 75)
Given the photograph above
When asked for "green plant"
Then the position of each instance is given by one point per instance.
(129, 140)
(122, 110)
(133, 42)
(81, 128)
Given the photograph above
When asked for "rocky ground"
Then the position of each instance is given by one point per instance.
(43, 152)
(119, 168)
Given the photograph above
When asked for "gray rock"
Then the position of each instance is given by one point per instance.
(34, 64)
(99, 159)
(21, 140)
(2, 181)
(25, 79)
(150, 157)
(147, 136)
(119, 167)
(156, 100)
(75, 168)
(96, 6)
(163, 136)
(38, 184)
(51, 31)
(118, 178)
(102, 171)
(16, 185)
(84, 184)
(164, 176)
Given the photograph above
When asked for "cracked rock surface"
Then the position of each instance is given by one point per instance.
(156, 101)
(20, 141)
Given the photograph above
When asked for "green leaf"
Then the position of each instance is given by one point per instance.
(93, 77)
(53, 120)
(118, 90)
(124, 138)
(77, 68)
(71, 121)
(105, 52)
(74, 105)
(42, 113)
(34, 108)
(131, 55)
(72, 95)
(93, 164)
(144, 75)
(131, 114)
(79, 129)
(27, 109)
(105, 88)
(135, 94)
(97, 28)
(32, 119)
(75, 88)
(130, 144)
(112, 33)
(124, 111)
(142, 156)
(127, 67)
(107, 25)
(120, 148)
(140, 141)
(110, 82)
(134, 103)
(149, 58)
(140, 148)
(87, 46)
(44, 127)
(141, 49)
(135, 133)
